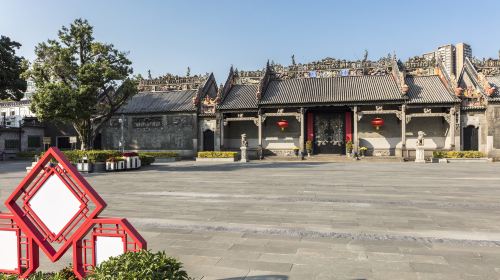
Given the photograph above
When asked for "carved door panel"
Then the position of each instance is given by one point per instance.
(471, 138)
(329, 131)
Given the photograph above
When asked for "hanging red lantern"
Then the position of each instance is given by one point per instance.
(282, 124)
(377, 123)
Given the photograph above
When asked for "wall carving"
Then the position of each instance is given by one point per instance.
(147, 122)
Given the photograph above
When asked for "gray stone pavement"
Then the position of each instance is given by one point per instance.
(269, 220)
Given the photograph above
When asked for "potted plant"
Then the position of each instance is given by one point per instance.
(348, 147)
(111, 164)
(120, 163)
(132, 160)
(362, 151)
(309, 147)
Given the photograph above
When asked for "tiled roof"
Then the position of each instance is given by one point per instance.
(495, 81)
(160, 101)
(332, 90)
(240, 97)
(428, 89)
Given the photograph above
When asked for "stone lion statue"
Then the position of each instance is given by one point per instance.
(420, 138)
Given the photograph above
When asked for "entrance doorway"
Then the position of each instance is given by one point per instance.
(329, 132)
(471, 138)
(208, 140)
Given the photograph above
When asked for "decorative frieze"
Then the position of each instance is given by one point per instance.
(147, 122)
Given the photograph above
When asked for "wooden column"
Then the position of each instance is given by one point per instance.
(355, 140)
(403, 130)
(302, 128)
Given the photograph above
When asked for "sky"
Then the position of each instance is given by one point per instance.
(211, 35)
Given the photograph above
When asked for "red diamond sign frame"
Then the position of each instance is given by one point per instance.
(53, 203)
(18, 251)
(106, 237)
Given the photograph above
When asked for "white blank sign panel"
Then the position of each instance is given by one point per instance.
(9, 254)
(107, 247)
(55, 204)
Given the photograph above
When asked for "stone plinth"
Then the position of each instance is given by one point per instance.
(420, 154)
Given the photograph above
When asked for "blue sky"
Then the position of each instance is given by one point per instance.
(209, 36)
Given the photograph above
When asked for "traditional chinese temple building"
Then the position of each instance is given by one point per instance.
(166, 115)
(329, 104)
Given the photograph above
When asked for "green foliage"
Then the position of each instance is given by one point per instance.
(12, 86)
(159, 154)
(309, 145)
(458, 154)
(349, 146)
(80, 81)
(64, 274)
(142, 265)
(93, 155)
(146, 159)
(26, 155)
(211, 154)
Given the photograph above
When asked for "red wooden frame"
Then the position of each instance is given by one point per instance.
(28, 251)
(32, 225)
(84, 255)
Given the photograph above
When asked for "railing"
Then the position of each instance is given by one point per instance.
(18, 121)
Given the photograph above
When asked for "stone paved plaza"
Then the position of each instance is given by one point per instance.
(269, 220)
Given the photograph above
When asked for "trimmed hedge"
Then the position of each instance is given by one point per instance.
(26, 155)
(93, 155)
(102, 155)
(458, 154)
(211, 154)
(160, 154)
(146, 160)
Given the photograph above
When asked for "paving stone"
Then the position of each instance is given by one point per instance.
(303, 220)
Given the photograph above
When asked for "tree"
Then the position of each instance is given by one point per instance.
(80, 81)
(11, 66)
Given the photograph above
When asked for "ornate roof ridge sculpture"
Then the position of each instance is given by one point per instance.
(332, 67)
(170, 82)
(487, 67)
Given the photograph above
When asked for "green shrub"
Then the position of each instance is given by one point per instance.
(146, 160)
(65, 274)
(26, 155)
(142, 265)
(93, 155)
(458, 154)
(160, 154)
(211, 154)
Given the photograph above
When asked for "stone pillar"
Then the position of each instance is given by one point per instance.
(196, 135)
(452, 128)
(403, 130)
(355, 140)
(302, 128)
(260, 128)
(217, 133)
(221, 131)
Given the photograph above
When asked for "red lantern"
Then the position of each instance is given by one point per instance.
(377, 123)
(282, 124)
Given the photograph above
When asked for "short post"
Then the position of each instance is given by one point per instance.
(243, 148)
(420, 151)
